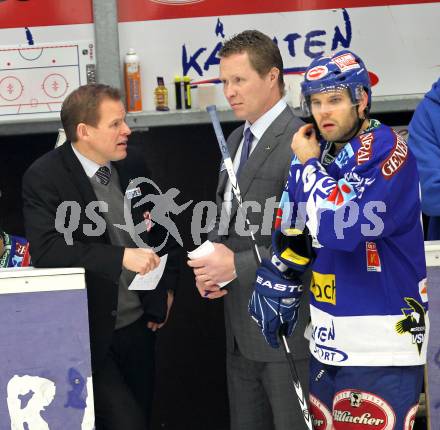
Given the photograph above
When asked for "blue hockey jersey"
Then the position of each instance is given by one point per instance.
(369, 303)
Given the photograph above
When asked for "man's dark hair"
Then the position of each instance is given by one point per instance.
(262, 51)
(82, 106)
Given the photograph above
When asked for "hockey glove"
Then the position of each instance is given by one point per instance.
(291, 251)
(275, 302)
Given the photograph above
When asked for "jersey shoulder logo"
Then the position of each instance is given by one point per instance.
(365, 151)
(396, 159)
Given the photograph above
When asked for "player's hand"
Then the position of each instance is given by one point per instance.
(305, 144)
(140, 260)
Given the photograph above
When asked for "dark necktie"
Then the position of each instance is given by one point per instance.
(246, 149)
(103, 174)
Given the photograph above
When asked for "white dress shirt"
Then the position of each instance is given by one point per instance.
(89, 166)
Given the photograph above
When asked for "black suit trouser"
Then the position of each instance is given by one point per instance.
(123, 385)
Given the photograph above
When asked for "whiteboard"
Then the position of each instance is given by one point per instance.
(35, 80)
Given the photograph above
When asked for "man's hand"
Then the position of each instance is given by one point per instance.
(305, 144)
(210, 292)
(140, 260)
(216, 267)
(153, 326)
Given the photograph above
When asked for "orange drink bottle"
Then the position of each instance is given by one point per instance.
(132, 81)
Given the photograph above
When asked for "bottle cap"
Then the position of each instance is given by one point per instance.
(177, 78)
(131, 51)
(160, 81)
(186, 79)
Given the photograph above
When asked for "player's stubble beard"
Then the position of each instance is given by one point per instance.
(350, 129)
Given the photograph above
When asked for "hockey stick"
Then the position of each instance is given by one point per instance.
(236, 189)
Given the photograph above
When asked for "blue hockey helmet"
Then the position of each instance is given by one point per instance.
(339, 70)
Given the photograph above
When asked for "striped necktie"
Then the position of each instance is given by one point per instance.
(103, 174)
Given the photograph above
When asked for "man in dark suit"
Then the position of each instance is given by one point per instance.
(74, 198)
(261, 394)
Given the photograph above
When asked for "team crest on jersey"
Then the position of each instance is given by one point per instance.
(413, 323)
(396, 159)
(316, 73)
(365, 151)
(346, 62)
(321, 416)
(373, 259)
(362, 409)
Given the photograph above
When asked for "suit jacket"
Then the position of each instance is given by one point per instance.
(59, 177)
(263, 177)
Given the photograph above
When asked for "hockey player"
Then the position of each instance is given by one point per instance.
(355, 185)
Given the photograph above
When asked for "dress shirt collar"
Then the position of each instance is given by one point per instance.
(89, 166)
(259, 127)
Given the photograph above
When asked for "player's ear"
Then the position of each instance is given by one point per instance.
(363, 103)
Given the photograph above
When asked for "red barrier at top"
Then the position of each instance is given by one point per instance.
(35, 13)
(144, 10)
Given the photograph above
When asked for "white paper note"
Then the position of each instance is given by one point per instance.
(203, 250)
(150, 280)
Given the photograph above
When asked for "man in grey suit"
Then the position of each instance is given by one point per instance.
(261, 394)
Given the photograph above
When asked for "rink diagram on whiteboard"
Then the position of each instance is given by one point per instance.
(35, 80)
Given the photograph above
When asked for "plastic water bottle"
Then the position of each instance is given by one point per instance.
(132, 81)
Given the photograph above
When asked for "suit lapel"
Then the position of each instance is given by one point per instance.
(77, 174)
(268, 142)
